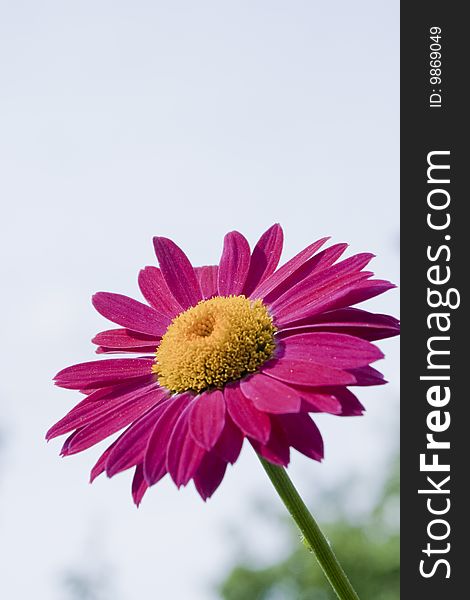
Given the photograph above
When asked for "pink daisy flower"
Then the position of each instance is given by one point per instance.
(228, 352)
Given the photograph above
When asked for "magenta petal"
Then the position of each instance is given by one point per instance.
(365, 376)
(317, 263)
(156, 452)
(99, 466)
(316, 401)
(364, 290)
(207, 277)
(130, 350)
(350, 321)
(230, 442)
(316, 286)
(101, 373)
(207, 418)
(130, 313)
(124, 339)
(234, 264)
(109, 423)
(66, 445)
(129, 449)
(276, 450)
(302, 434)
(178, 272)
(270, 395)
(350, 405)
(184, 455)
(156, 292)
(331, 349)
(209, 475)
(245, 415)
(139, 485)
(104, 401)
(312, 267)
(285, 271)
(357, 290)
(265, 258)
(370, 334)
(318, 300)
(301, 372)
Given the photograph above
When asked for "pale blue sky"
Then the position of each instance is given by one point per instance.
(123, 120)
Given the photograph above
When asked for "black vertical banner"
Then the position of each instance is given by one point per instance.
(435, 258)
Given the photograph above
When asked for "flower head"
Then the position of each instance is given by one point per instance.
(228, 352)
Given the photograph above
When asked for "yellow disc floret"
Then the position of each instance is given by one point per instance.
(217, 341)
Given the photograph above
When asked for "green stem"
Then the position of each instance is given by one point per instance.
(312, 533)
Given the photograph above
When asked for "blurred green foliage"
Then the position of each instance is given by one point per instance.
(368, 552)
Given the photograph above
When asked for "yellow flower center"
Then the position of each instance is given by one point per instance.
(217, 341)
